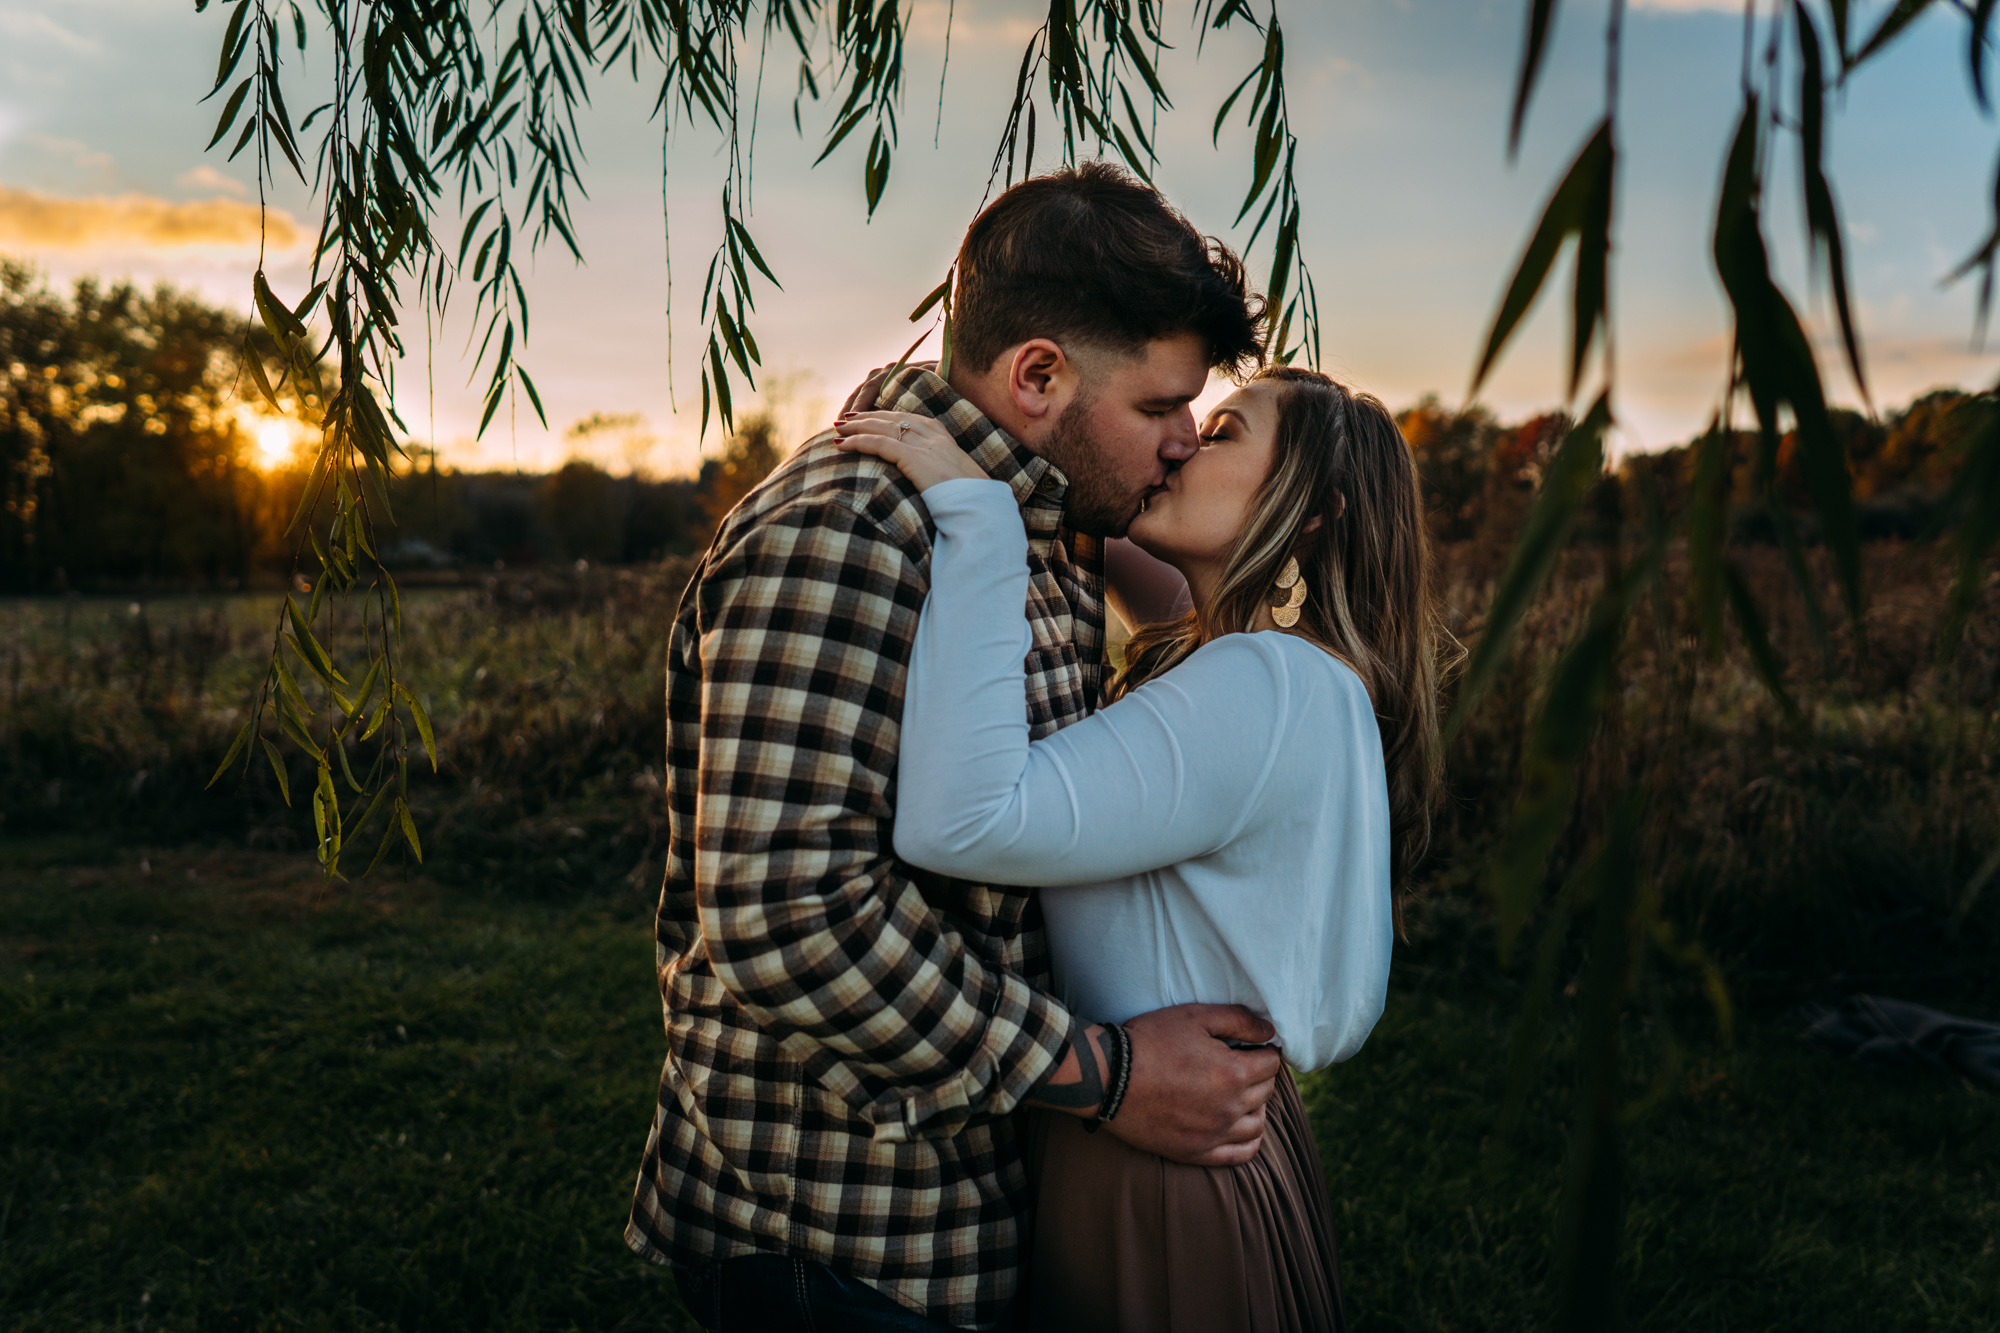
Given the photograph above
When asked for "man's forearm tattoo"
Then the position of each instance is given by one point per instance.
(1081, 1090)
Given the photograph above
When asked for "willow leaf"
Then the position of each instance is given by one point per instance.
(1891, 27)
(1541, 18)
(1578, 463)
(278, 767)
(409, 827)
(1575, 202)
(236, 748)
(229, 110)
(423, 721)
(1822, 218)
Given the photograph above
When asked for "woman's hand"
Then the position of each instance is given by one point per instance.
(920, 446)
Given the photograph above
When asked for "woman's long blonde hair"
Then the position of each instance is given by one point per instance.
(1369, 598)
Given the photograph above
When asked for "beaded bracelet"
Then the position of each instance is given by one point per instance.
(1121, 1074)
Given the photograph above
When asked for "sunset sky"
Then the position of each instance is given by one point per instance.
(1412, 215)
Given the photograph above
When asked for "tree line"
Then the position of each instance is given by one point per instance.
(128, 462)
(126, 459)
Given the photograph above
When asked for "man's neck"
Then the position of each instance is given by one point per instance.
(995, 404)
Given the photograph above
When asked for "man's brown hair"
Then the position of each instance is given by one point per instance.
(1091, 255)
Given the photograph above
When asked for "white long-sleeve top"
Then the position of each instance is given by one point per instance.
(1219, 835)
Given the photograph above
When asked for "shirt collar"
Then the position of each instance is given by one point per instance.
(1039, 486)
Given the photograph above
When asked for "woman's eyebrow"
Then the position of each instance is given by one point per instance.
(1215, 417)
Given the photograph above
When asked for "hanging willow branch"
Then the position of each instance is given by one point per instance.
(471, 106)
(1775, 368)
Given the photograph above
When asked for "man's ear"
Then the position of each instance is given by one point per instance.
(1041, 379)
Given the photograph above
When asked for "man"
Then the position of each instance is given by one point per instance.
(849, 1036)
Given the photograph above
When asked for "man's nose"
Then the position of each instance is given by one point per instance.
(1182, 442)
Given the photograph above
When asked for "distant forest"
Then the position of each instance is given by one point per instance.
(127, 462)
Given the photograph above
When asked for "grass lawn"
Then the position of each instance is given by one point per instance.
(231, 1099)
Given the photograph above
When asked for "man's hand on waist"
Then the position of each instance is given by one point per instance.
(1191, 1096)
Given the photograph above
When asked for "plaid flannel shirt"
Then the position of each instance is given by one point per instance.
(847, 1035)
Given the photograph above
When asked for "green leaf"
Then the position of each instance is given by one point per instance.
(944, 344)
(423, 722)
(1541, 17)
(382, 794)
(845, 128)
(1581, 200)
(236, 748)
(534, 398)
(380, 716)
(1215, 136)
(319, 802)
(289, 685)
(234, 39)
(1982, 20)
(1270, 141)
(277, 316)
(1891, 27)
(229, 110)
(750, 248)
(1578, 462)
(382, 849)
(875, 178)
(395, 603)
(253, 360)
(278, 767)
(721, 379)
(309, 649)
(1822, 218)
(292, 726)
(1778, 365)
(937, 294)
(346, 769)
(409, 830)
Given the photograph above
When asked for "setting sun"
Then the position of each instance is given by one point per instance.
(274, 444)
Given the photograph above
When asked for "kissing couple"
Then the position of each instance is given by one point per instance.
(985, 966)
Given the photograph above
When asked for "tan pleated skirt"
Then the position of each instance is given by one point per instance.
(1126, 1242)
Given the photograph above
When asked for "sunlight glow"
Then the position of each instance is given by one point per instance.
(274, 444)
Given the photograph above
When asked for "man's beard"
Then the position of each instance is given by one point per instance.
(1094, 505)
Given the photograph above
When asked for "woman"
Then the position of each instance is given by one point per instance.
(1236, 827)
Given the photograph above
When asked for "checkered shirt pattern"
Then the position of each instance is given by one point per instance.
(847, 1034)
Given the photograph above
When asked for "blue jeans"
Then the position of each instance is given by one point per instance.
(769, 1293)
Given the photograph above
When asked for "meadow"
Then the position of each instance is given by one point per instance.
(233, 1095)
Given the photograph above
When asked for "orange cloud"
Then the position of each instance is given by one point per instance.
(129, 221)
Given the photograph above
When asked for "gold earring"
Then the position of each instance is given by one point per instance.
(1289, 594)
